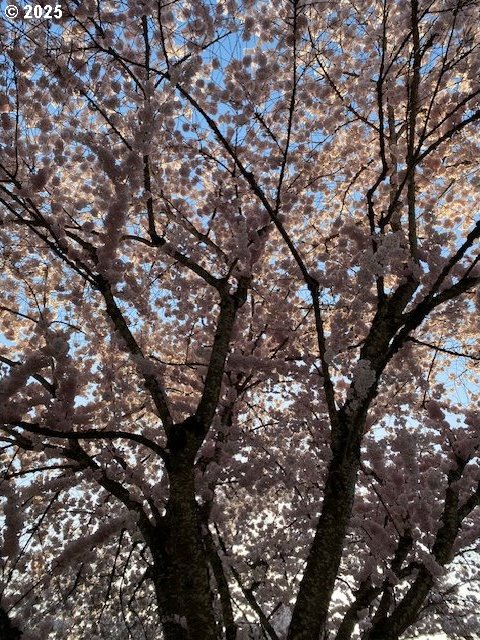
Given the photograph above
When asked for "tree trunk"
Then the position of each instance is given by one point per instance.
(180, 572)
(311, 608)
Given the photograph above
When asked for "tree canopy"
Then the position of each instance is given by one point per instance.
(239, 305)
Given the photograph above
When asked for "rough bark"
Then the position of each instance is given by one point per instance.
(311, 609)
(180, 571)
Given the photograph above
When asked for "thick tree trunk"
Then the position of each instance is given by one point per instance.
(180, 572)
(311, 609)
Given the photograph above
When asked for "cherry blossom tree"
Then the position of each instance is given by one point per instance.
(239, 318)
